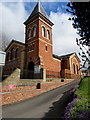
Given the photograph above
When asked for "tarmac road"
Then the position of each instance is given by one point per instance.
(47, 105)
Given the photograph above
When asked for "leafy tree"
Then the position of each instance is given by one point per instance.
(80, 12)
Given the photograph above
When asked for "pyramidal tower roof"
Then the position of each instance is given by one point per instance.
(37, 9)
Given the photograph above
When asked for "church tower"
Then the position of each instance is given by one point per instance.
(38, 39)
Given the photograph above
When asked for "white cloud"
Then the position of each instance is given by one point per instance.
(13, 15)
(64, 35)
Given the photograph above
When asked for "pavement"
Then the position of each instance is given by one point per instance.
(47, 105)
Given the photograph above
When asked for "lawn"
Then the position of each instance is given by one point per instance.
(84, 89)
(79, 108)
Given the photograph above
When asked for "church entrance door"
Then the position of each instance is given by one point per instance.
(31, 70)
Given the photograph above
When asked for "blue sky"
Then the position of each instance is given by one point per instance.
(14, 14)
(48, 6)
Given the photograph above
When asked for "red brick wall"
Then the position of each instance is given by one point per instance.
(67, 67)
(32, 55)
(40, 51)
(10, 65)
(49, 63)
(65, 64)
(10, 98)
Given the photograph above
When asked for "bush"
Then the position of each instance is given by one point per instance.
(79, 108)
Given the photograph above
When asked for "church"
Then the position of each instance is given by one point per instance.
(35, 55)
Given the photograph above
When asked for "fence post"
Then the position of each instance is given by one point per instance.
(43, 74)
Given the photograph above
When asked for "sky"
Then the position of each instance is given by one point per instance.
(14, 14)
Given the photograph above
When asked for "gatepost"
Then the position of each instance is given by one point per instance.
(43, 74)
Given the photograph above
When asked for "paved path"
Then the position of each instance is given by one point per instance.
(47, 105)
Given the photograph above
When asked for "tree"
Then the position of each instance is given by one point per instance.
(80, 12)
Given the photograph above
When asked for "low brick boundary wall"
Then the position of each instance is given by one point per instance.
(17, 88)
(10, 98)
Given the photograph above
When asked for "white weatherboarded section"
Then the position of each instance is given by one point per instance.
(2, 58)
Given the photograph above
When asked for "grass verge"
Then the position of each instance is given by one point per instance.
(79, 108)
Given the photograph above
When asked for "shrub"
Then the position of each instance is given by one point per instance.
(79, 108)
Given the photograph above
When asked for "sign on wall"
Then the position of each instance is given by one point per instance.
(2, 58)
(37, 69)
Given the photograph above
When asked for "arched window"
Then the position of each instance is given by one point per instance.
(43, 31)
(34, 31)
(12, 54)
(74, 68)
(29, 34)
(16, 53)
(48, 34)
(77, 69)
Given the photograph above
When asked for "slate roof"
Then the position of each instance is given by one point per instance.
(65, 56)
(14, 41)
(37, 10)
(56, 56)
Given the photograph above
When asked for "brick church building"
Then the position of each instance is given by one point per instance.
(36, 53)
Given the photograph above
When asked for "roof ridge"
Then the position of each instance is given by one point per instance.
(67, 54)
(41, 8)
(12, 42)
